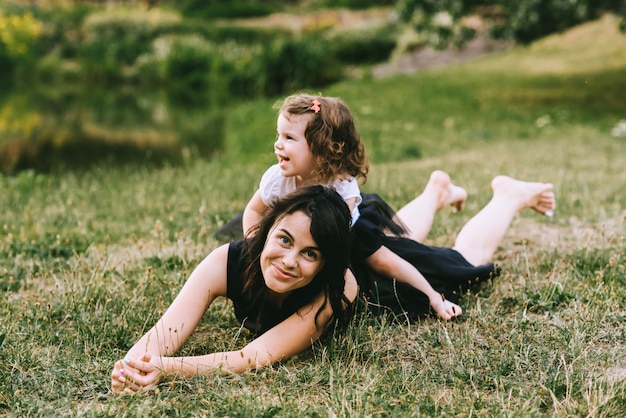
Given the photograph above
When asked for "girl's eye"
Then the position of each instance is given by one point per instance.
(284, 240)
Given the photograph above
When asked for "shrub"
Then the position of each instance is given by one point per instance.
(296, 63)
(365, 45)
(357, 4)
(184, 62)
(523, 21)
(115, 38)
(19, 36)
(226, 8)
(190, 62)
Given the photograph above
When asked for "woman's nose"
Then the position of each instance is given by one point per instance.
(290, 259)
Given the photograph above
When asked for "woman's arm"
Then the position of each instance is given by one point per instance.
(205, 283)
(254, 212)
(391, 265)
(281, 342)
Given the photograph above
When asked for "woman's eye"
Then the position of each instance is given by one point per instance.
(310, 254)
(284, 240)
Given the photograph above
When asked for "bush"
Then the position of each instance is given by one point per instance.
(297, 63)
(115, 38)
(184, 63)
(19, 36)
(523, 21)
(190, 62)
(357, 4)
(365, 46)
(63, 34)
(532, 19)
(227, 8)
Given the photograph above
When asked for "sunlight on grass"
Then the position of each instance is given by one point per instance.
(590, 47)
(89, 260)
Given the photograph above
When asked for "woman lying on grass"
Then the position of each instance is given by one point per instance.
(286, 282)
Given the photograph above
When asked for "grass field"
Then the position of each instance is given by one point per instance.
(89, 260)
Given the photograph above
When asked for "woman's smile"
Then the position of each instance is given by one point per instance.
(283, 273)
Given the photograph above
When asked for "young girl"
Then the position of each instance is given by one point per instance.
(318, 142)
(286, 283)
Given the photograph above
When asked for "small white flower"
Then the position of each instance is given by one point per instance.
(543, 121)
(442, 19)
(619, 129)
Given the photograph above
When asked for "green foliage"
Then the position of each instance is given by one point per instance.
(185, 61)
(190, 56)
(19, 41)
(366, 45)
(444, 23)
(296, 63)
(532, 19)
(355, 4)
(190, 63)
(215, 9)
(114, 38)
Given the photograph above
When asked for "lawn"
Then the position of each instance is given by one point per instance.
(89, 260)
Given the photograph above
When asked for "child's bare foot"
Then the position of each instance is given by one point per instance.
(534, 195)
(448, 194)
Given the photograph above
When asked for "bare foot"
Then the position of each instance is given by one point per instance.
(534, 195)
(448, 194)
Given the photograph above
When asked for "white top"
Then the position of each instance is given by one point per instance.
(274, 185)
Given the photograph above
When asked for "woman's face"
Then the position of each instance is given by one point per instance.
(292, 149)
(290, 259)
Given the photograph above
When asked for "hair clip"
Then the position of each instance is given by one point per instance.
(316, 106)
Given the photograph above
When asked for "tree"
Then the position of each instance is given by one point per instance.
(446, 22)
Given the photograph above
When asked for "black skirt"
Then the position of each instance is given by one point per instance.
(447, 271)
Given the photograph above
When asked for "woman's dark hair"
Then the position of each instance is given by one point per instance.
(330, 229)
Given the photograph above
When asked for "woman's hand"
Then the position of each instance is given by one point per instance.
(134, 375)
(445, 309)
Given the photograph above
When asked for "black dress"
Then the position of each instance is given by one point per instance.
(447, 271)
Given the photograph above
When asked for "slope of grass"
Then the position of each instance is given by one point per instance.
(88, 261)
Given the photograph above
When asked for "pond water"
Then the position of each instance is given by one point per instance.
(53, 129)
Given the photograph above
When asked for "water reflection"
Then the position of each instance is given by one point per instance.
(58, 129)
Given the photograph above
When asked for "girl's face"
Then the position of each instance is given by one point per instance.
(292, 149)
(290, 259)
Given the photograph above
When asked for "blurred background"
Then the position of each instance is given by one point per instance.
(85, 82)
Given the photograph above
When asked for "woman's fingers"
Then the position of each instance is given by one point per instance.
(133, 375)
(118, 378)
(141, 364)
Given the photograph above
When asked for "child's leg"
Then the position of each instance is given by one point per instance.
(418, 215)
(480, 237)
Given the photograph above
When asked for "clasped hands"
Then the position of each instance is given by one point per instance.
(132, 375)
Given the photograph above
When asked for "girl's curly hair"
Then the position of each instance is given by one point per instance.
(331, 135)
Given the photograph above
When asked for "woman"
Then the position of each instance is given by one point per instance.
(286, 282)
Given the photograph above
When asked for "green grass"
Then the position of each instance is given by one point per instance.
(89, 260)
